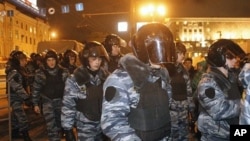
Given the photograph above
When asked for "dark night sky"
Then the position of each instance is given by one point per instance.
(78, 25)
(75, 25)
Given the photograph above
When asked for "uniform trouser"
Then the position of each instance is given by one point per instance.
(52, 115)
(179, 121)
(88, 130)
(18, 117)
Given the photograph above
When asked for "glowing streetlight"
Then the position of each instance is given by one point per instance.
(153, 10)
(53, 35)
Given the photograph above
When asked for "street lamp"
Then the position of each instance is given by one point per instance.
(153, 10)
(53, 35)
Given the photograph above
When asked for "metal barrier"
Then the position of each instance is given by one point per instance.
(5, 96)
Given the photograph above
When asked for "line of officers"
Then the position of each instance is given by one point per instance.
(145, 95)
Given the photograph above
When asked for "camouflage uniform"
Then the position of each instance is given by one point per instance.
(83, 87)
(49, 85)
(220, 105)
(18, 95)
(182, 103)
(117, 108)
(244, 77)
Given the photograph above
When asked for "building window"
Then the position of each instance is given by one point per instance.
(31, 29)
(16, 34)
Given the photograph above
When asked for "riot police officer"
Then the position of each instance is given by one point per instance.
(19, 93)
(137, 95)
(83, 95)
(69, 60)
(244, 78)
(218, 95)
(49, 85)
(112, 44)
(182, 103)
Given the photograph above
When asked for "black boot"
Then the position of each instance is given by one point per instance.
(26, 136)
(15, 134)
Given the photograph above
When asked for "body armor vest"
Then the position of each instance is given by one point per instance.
(151, 118)
(91, 106)
(232, 90)
(54, 86)
(179, 87)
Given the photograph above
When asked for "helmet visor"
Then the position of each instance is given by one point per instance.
(156, 50)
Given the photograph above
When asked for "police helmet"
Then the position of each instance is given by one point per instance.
(110, 40)
(16, 57)
(68, 53)
(222, 49)
(154, 42)
(92, 49)
(51, 54)
(32, 55)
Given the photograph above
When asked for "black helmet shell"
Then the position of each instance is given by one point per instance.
(92, 49)
(154, 42)
(110, 40)
(51, 54)
(67, 53)
(222, 49)
(16, 57)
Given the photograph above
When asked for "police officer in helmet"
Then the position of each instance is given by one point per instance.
(49, 85)
(19, 93)
(218, 95)
(82, 101)
(137, 94)
(112, 44)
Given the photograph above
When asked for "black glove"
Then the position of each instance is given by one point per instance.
(69, 135)
(28, 102)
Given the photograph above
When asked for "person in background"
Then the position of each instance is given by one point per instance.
(112, 44)
(137, 94)
(69, 60)
(49, 85)
(188, 64)
(83, 95)
(17, 81)
(182, 103)
(219, 98)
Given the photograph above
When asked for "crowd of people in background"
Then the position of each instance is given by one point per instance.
(153, 93)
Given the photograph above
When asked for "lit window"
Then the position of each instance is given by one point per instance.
(65, 9)
(79, 6)
(122, 26)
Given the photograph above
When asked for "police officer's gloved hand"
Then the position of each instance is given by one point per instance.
(69, 135)
(28, 102)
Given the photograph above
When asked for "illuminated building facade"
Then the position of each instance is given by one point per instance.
(21, 27)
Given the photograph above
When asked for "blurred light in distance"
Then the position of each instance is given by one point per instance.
(79, 6)
(122, 26)
(65, 9)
